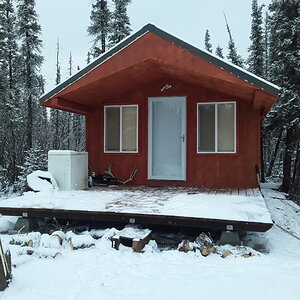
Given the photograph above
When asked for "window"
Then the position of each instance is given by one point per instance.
(216, 127)
(121, 128)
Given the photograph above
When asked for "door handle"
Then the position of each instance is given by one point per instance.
(183, 138)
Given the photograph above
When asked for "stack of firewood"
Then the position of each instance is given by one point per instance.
(203, 242)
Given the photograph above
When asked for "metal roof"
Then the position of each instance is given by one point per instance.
(209, 57)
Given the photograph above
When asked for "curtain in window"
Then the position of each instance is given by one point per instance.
(129, 128)
(206, 128)
(225, 127)
(112, 129)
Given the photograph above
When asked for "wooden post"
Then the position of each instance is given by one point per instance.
(5, 269)
(139, 244)
(116, 242)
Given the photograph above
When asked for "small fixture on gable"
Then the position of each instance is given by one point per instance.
(166, 87)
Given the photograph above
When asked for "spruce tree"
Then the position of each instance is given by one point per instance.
(71, 137)
(120, 26)
(4, 182)
(11, 125)
(58, 72)
(285, 72)
(88, 57)
(35, 159)
(256, 62)
(219, 51)
(284, 60)
(256, 49)
(29, 31)
(41, 134)
(56, 116)
(295, 188)
(208, 45)
(76, 123)
(233, 56)
(100, 26)
(70, 65)
(266, 46)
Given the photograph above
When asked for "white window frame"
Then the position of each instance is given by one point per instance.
(216, 128)
(137, 128)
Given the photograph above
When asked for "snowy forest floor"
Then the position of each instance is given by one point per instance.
(101, 272)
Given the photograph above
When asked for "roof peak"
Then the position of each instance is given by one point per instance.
(211, 58)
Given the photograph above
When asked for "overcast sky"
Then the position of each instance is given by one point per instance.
(67, 20)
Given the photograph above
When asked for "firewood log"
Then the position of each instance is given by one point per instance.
(185, 246)
(205, 252)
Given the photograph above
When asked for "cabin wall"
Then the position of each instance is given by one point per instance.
(209, 170)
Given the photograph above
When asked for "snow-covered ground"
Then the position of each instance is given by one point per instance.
(101, 272)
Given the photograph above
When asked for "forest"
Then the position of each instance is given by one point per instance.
(28, 131)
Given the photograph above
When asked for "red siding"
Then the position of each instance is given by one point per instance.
(210, 170)
(140, 71)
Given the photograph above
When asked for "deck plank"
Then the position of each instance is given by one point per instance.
(249, 192)
(242, 192)
(256, 192)
(234, 192)
(206, 190)
(227, 191)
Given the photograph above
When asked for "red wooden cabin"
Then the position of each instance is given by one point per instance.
(180, 115)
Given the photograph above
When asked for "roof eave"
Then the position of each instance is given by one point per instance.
(222, 64)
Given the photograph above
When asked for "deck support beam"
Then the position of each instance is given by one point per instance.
(146, 219)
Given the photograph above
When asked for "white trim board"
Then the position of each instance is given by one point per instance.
(137, 128)
(216, 128)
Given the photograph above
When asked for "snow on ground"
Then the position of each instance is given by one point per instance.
(7, 223)
(201, 205)
(285, 213)
(101, 272)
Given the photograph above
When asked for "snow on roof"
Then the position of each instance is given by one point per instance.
(226, 61)
(217, 61)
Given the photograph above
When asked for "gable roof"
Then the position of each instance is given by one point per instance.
(207, 56)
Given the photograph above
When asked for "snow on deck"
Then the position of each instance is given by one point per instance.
(153, 201)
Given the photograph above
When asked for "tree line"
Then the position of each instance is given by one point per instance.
(274, 54)
(28, 131)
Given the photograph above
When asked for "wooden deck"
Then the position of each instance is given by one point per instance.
(114, 213)
(184, 189)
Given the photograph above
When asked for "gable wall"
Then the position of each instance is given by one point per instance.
(209, 170)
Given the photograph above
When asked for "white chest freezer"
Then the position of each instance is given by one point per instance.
(69, 169)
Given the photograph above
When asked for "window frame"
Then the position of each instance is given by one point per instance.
(121, 127)
(216, 128)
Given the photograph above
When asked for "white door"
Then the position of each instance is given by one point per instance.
(167, 138)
